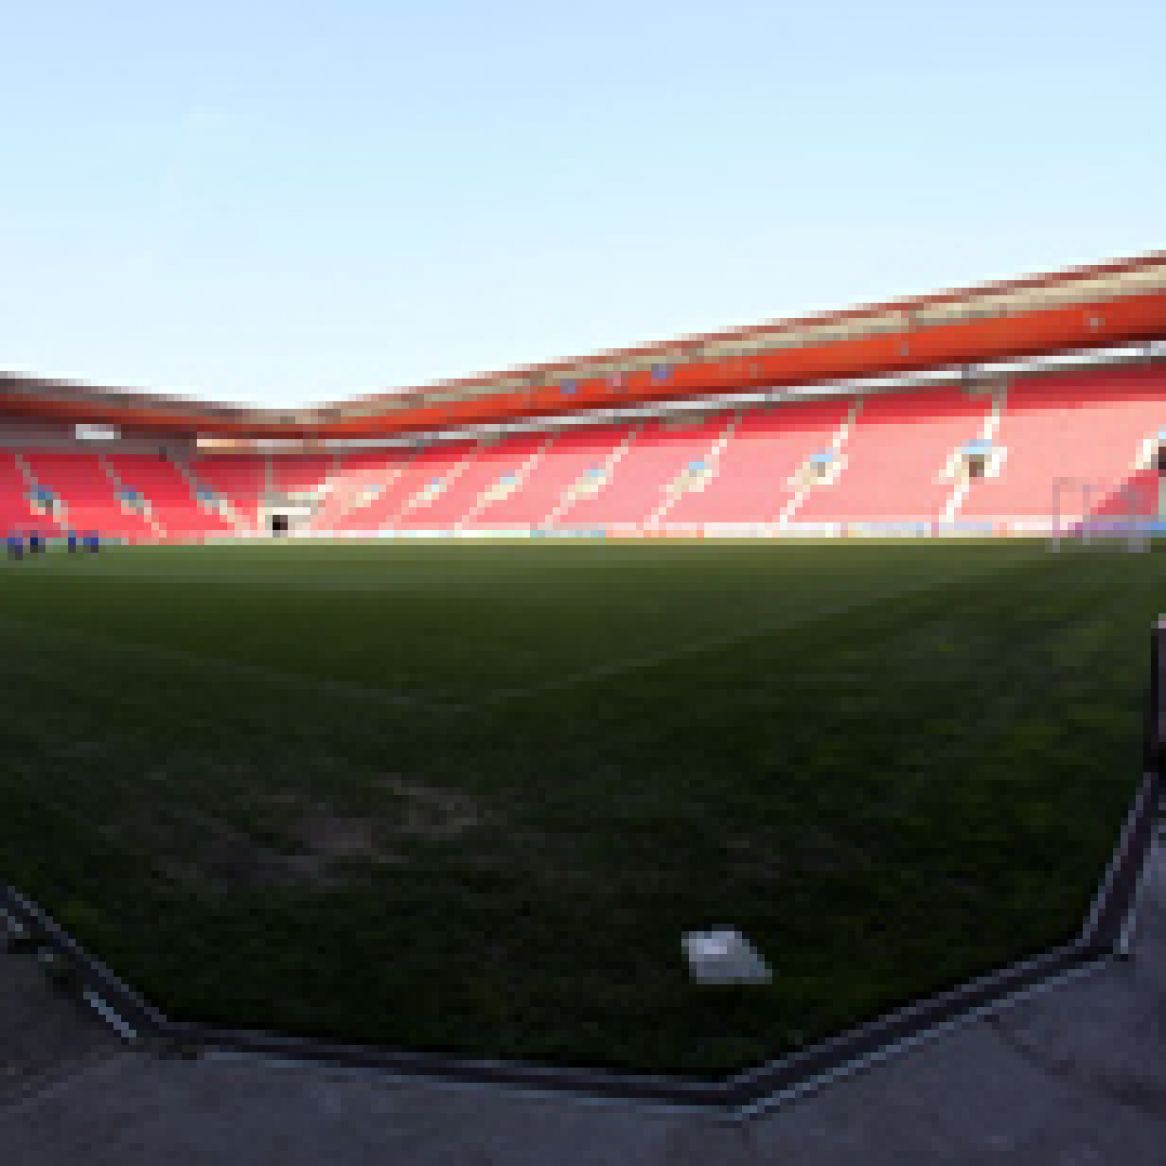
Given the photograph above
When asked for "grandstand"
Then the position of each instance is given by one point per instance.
(850, 464)
(952, 413)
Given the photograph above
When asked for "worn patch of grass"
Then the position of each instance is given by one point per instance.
(470, 797)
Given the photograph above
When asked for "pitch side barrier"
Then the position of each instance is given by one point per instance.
(1031, 528)
(1105, 934)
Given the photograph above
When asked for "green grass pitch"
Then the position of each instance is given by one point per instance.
(469, 797)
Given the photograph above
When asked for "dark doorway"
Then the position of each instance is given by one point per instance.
(279, 524)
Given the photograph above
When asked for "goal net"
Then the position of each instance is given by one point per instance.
(1103, 515)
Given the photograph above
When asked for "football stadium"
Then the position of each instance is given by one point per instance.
(582, 584)
(473, 723)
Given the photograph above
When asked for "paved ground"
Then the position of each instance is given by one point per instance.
(44, 1037)
(1073, 1075)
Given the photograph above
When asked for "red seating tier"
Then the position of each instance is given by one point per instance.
(80, 481)
(296, 474)
(896, 452)
(352, 477)
(573, 453)
(15, 512)
(412, 475)
(172, 503)
(1087, 426)
(1094, 426)
(482, 469)
(240, 478)
(767, 446)
(637, 485)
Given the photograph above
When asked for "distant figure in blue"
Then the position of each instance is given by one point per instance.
(92, 543)
(72, 542)
(15, 546)
(36, 543)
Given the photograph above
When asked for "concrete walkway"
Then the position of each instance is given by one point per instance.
(1075, 1074)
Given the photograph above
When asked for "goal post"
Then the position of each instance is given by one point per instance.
(1088, 513)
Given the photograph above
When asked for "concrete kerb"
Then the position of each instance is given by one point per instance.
(1117, 895)
(95, 977)
(881, 1054)
(1105, 933)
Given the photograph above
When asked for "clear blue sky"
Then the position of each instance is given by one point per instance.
(289, 202)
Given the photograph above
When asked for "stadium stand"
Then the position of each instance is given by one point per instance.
(408, 480)
(894, 460)
(368, 496)
(575, 456)
(508, 463)
(356, 480)
(15, 511)
(1062, 376)
(634, 489)
(1089, 426)
(171, 497)
(240, 480)
(471, 477)
(754, 471)
(300, 474)
(88, 495)
(840, 462)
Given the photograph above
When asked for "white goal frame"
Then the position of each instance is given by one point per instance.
(1128, 531)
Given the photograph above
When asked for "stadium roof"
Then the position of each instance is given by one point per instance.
(1080, 308)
